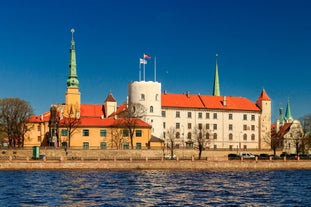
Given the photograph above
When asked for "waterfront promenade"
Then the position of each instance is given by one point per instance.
(137, 159)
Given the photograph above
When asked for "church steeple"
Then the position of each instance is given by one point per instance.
(73, 98)
(216, 89)
(288, 114)
(72, 80)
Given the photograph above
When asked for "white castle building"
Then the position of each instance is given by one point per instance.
(230, 122)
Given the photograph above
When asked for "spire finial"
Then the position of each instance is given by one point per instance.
(72, 31)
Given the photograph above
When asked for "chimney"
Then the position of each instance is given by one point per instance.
(187, 94)
(225, 101)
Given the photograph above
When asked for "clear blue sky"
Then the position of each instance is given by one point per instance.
(261, 44)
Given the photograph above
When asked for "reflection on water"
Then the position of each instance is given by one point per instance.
(155, 188)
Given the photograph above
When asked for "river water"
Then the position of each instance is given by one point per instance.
(155, 188)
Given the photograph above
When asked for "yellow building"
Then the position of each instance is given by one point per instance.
(77, 125)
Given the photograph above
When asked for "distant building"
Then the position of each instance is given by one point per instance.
(290, 130)
(87, 125)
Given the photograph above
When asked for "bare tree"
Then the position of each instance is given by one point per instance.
(116, 137)
(171, 138)
(70, 121)
(134, 112)
(201, 136)
(14, 116)
(275, 140)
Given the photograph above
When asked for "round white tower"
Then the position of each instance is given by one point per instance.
(148, 94)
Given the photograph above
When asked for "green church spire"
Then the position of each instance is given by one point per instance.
(72, 80)
(216, 89)
(288, 114)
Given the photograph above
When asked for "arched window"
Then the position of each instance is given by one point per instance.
(230, 136)
(189, 135)
(177, 135)
(151, 109)
(245, 137)
(215, 135)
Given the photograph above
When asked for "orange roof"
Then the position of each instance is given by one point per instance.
(181, 101)
(120, 109)
(208, 102)
(263, 96)
(91, 110)
(41, 118)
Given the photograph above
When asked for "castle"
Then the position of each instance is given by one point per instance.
(230, 122)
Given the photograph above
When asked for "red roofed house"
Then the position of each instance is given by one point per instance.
(85, 125)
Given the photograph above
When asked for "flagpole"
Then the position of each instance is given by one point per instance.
(144, 67)
(139, 73)
(155, 68)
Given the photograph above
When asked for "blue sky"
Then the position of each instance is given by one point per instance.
(261, 44)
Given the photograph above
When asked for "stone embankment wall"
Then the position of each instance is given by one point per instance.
(137, 159)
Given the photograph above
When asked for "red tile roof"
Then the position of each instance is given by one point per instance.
(263, 96)
(91, 110)
(109, 122)
(110, 98)
(208, 102)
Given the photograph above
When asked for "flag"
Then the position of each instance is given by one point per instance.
(142, 61)
(146, 56)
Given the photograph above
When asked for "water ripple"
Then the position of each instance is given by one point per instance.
(155, 188)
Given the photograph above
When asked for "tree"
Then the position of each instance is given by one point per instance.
(14, 116)
(116, 137)
(171, 137)
(275, 140)
(201, 136)
(134, 112)
(70, 121)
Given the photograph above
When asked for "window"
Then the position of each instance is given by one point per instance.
(126, 145)
(164, 134)
(177, 135)
(215, 136)
(142, 97)
(103, 132)
(189, 126)
(64, 132)
(244, 127)
(230, 136)
(244, 116)
(151, 109)
(207, 126)
(215, 126)
(177, 114)
(200, 126)
(245, 147)
(230, 117)
(215, 147)
(230, 127)
(253, 137)
(200, 135)
(207, 115)
(215, 116)
(207, 135)
(189, 114)
(177, 125)
(103, 145)
(39, 138)
(253, 127)
(253, 117)
(163, 114)
(39, 128)
(230, 147)
(138, 133)
(189, 135)
(125, 133)
(85, 132)
(245, 137)
(138, 145)
(157, 97)
(200, 115)
(164, 125)
(85, 145)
